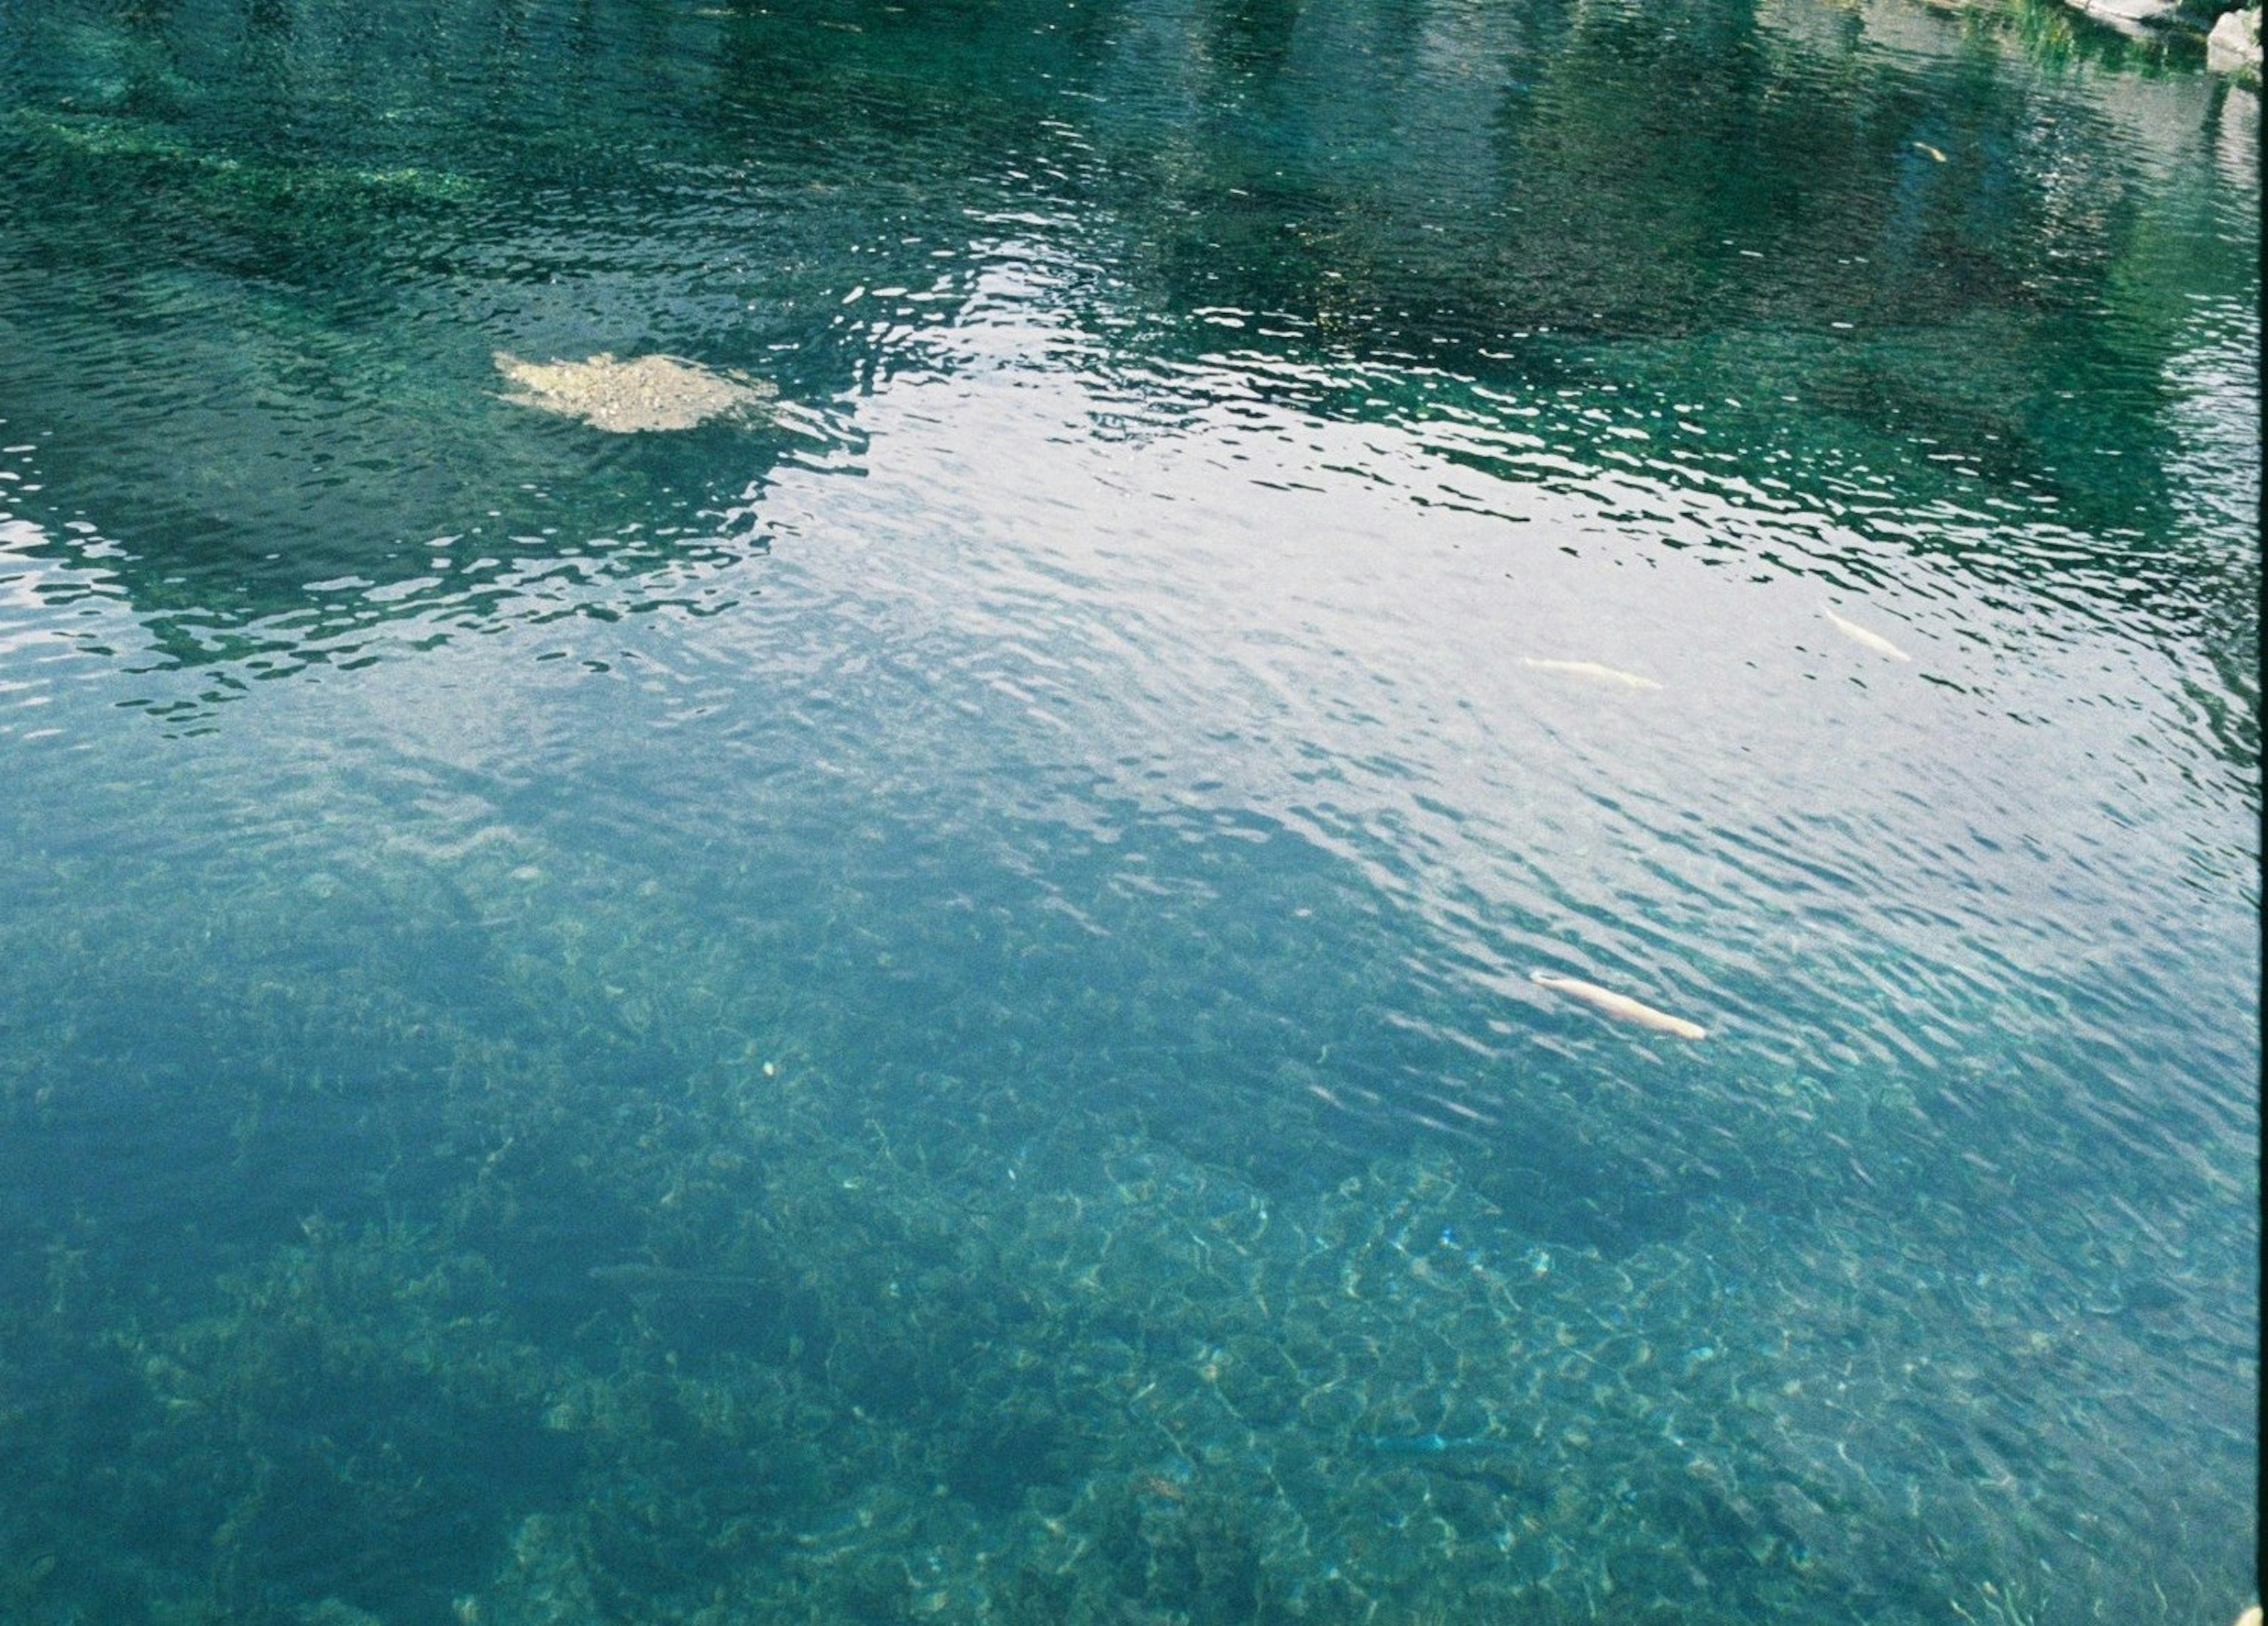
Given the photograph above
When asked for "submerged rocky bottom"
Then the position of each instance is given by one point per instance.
(485, 1233)
(750, 1351)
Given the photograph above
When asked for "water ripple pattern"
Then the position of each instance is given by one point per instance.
(920, 1001)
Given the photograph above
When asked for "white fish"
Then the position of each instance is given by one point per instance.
(1621, 1006)
(1873, 641)
(1589, 669)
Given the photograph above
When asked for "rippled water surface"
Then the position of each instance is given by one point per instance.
(916, 1002)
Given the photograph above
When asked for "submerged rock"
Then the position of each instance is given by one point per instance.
(624, 397)
(2233, 45)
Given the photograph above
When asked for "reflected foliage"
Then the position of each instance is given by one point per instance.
(288, 236)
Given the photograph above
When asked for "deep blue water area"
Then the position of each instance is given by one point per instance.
(914, 1001)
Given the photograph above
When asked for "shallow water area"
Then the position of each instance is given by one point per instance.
(914, 998)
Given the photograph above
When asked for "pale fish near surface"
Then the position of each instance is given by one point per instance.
(1621, 1006)
(1588, 669)
(1873, 641)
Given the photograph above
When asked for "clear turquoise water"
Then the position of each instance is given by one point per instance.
(920, 1009)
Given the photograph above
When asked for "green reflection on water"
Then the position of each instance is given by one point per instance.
(329, 223)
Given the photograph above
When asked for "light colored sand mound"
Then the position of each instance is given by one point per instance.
(623, 397)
